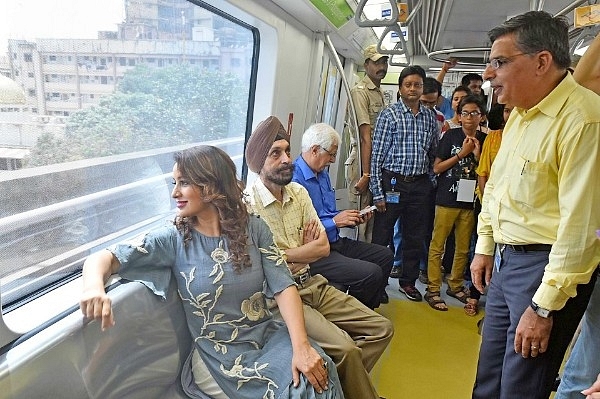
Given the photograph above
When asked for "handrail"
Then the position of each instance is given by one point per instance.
(413, 12)
(434, 55)
(403, 50)
(587, 33)
(376, 22)
(570, 7)
(354, 128)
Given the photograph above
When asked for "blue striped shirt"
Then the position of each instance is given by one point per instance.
(403, 143)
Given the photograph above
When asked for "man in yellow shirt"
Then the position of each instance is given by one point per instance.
(539, 207)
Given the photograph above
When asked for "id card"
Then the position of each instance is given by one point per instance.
(466, 190)
(392, 197)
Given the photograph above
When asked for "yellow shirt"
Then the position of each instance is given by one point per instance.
(285, 219)
(544, 189)
(491, 145)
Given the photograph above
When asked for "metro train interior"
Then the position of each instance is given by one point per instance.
(95, 98)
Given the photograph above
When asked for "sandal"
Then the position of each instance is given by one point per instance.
(471, 308)
(461, 295)
(435, 301)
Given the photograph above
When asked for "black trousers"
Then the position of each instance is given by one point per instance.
(359, 267)
(414, 211)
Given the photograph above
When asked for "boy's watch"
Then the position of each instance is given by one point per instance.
(545, 313)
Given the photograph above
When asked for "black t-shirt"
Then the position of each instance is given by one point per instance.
(447, 188)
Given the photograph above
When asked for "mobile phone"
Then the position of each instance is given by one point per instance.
(366, 210)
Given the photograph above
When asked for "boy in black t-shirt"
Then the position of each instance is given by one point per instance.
(455, 163)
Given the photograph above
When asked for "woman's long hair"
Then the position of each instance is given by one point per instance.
(211, 169)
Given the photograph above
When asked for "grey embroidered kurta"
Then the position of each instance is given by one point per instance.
(247, 352)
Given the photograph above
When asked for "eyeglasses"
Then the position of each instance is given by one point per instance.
(332, 155)
(429, 104)
(474, 114)
(497, 63)
(416, 85)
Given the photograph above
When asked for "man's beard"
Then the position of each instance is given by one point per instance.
(280, 176)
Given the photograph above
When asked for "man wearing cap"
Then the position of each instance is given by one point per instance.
(352, 334)
(368, 102)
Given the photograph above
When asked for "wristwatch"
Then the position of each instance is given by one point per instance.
(545, 313)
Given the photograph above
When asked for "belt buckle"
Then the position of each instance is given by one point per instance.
(303, 277)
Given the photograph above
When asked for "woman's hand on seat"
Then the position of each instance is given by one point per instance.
(96, 304)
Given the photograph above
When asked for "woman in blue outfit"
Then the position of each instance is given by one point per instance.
(225, 264)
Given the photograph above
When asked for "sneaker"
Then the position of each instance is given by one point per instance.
(395, 273)
(411, 292)
(423, 277)
(384, 298)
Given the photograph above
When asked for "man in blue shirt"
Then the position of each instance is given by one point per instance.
(361, 268)
(404, 143)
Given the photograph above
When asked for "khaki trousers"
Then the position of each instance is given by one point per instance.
(365, 230)
(353, 335)
(445, 219)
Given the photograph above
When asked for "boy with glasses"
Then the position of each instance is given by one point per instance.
(455, 162)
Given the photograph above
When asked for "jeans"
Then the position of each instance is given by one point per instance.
(583, 364)
(397, 242)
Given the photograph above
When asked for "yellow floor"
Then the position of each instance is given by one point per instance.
(433, 354)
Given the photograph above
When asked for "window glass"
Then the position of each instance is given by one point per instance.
(112, 88)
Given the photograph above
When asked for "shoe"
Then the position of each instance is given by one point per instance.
(395, 273)
(423, 277)
(384, 298)
(411, 292)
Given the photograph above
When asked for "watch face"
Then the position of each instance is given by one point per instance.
(543, 312)
(540, 311)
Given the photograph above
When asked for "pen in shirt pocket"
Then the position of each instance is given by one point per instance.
(524, 166)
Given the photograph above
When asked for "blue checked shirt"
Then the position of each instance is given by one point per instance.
(402, 143)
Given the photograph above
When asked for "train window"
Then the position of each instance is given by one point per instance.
(114, 88)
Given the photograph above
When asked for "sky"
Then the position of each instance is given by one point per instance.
(58, 19)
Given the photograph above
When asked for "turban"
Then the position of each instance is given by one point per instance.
(261, 140)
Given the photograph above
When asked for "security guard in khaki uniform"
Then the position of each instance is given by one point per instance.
(368, 102)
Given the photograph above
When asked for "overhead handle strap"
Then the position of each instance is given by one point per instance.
(364, 23)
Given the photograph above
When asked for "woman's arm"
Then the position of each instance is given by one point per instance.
(481, 180)
(587, 72)
(94, 303)
(306, 359)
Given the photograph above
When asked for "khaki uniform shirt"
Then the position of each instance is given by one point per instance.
(368, 102)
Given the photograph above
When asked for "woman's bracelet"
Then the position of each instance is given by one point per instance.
(458, 156)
